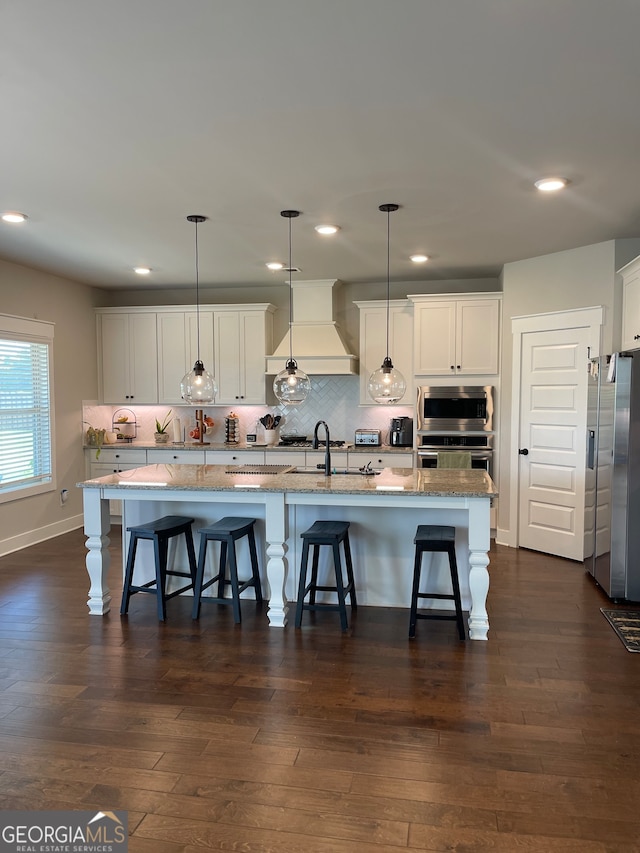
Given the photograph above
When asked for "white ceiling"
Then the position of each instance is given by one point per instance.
(121, 118)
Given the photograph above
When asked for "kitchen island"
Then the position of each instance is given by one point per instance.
(384, 511)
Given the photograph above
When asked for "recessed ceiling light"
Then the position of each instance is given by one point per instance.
(551, 185)
(13, 216)
(275, 265)
(142, 270)
(419, 259)
(327, 229)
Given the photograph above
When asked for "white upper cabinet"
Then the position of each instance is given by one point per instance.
(144, 353)
(456, 336)
(631, 305)
(127, 359)
(178, 349)
(242, 338)
(373, 342)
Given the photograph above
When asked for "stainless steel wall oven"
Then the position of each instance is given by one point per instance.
(479, 446)
(460, 408)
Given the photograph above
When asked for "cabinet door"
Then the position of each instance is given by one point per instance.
(631, 310)
(239, 341)
(172, 356)
(373, 342)
(114, 357)
(434, 349)
(129, 358)
(252, 355)
(477, 336)
(204, 332)
(227, 356)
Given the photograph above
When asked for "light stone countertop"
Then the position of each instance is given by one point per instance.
(403, 481)
(215, 446)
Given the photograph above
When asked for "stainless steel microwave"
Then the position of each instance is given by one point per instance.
(455, 407)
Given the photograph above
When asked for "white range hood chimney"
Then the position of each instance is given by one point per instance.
(317, 344)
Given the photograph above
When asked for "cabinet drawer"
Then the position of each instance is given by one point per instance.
(285, 457)
(339, 459)
(235, 457)
(177, 457)
(98, 469)
(113, 454)
(382, 460)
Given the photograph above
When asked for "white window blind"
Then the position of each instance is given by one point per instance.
(25, 408)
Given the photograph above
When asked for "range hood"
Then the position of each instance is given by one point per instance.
(317, 344)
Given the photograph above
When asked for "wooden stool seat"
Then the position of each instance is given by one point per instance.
(430, 538)
(227, 531)
(159, 531)
(330, 533)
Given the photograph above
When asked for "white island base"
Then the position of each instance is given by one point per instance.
(383, 524)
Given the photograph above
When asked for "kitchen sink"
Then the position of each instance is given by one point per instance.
(319, 472)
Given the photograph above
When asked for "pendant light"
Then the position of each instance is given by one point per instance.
(198, 386)
(291, 386)
(387, 384)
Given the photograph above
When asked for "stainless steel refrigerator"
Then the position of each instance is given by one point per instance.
(612, 483)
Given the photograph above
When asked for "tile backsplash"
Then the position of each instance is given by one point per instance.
(334, 399)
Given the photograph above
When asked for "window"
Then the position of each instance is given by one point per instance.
(26, 459)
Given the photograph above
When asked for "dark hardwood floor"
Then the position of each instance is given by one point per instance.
(263, 740)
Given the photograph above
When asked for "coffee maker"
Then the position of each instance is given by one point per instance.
(401, 432)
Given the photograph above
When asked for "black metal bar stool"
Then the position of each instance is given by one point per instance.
(159, 532)
(227, 531)
(435, 537)
(326, 533)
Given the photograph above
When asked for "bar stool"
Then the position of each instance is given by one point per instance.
(434, 537)
(159, 532)
(326, 533)
(227, 531)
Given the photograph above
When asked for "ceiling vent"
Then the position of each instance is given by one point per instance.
(316, 342)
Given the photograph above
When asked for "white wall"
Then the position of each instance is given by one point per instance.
(70, 306)
(576, 278)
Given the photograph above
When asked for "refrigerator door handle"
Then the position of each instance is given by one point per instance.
(591, 448)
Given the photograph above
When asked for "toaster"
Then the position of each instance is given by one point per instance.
(368, 437)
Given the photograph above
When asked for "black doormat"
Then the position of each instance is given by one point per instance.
(626, 624)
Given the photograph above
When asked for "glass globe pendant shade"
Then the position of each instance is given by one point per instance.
(292, 385)
(198, 386)
(386, 384)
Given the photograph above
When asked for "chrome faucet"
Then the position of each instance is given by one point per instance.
(327, 452)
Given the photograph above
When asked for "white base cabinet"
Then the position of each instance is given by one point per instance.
(112, 461)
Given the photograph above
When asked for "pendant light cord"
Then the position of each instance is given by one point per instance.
(388, 274)
(290, 299)
(198, 297)
(388, 208)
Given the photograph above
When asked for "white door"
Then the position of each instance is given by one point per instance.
(552, 441)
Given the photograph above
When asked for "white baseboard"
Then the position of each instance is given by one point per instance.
(40, 534)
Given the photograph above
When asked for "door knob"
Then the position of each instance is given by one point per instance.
(523, 451)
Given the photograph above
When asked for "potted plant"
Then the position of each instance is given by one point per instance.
(95, 438)
(162, 436)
